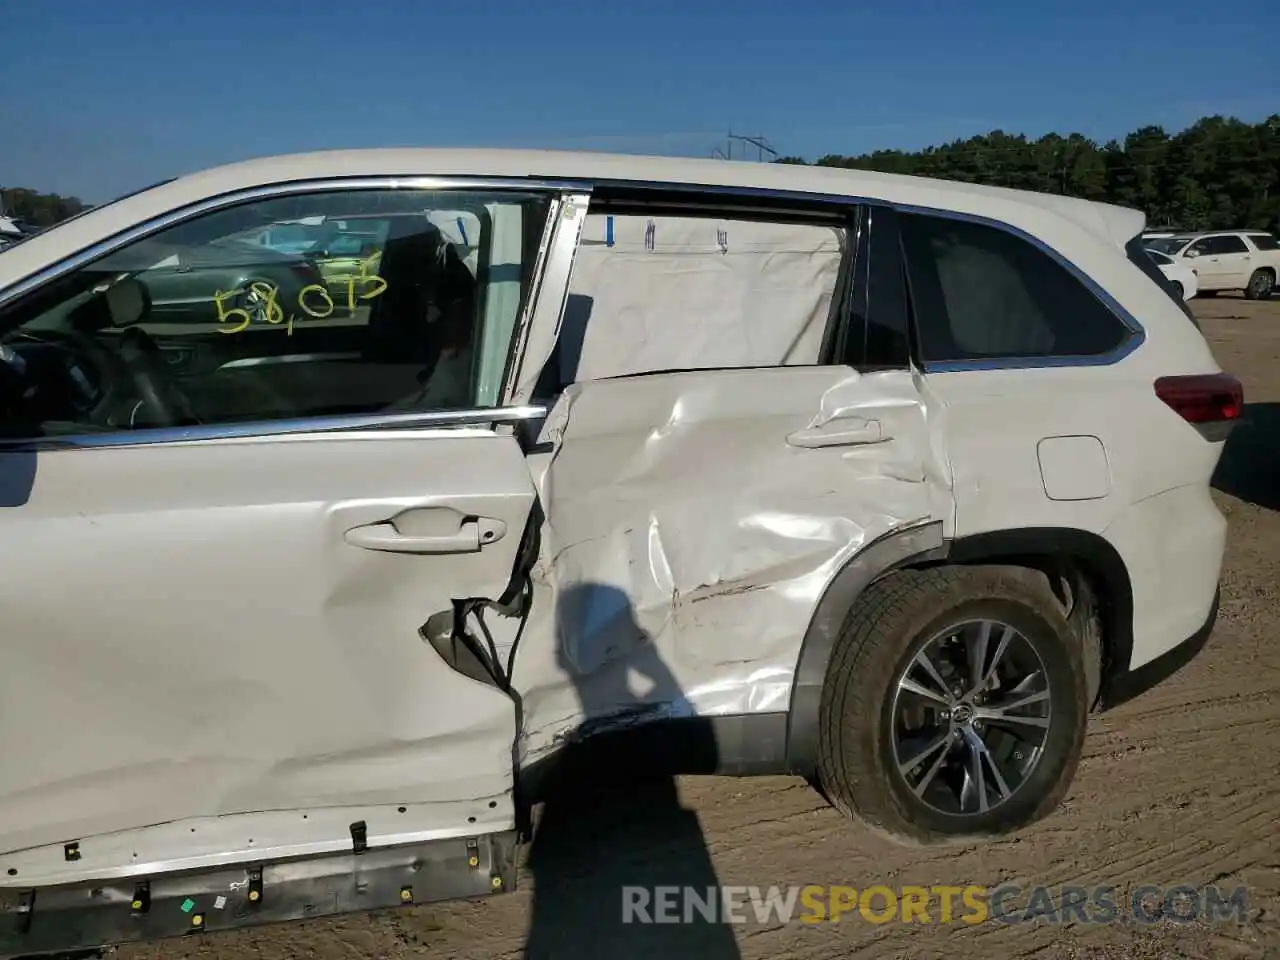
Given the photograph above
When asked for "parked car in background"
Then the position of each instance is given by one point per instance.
(1177, 273)
(344, 254)
(291, 238)
(199, 283)
(1247, 260)
(876, 480)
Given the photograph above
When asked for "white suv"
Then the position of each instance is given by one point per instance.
(1247, 260)
(311, 590)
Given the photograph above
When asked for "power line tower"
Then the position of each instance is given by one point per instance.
(762, 146)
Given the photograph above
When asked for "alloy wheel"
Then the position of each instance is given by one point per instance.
(971, 715)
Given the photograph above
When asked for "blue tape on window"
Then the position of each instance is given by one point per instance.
(608, 231)
(462, 229)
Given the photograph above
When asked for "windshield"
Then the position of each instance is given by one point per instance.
(1167, 244)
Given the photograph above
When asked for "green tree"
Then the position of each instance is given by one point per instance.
(38, 209)
(1219, 173)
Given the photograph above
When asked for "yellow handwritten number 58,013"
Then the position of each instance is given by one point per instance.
(263, 298)
(314, 300)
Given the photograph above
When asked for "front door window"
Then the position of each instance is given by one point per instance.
(325, 304)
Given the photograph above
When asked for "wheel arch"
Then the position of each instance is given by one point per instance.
(1085, 553)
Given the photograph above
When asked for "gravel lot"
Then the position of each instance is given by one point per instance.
(1176, 787)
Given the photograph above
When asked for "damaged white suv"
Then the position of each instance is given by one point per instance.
(320, 564)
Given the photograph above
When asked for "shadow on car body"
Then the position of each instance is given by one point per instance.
(603, 827)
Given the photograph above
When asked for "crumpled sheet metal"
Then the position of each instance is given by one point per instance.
(687, 542)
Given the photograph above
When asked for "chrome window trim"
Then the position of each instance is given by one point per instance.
(771, 195)
(548, 298)
(1134, 339)
(1136, 333)
(266, 429)
(275, 428)
(561, 188)
(546, 249)
(221, 201)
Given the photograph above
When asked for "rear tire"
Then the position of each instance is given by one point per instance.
(1260, 285)
(871, 762)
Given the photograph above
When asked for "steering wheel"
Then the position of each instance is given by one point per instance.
(159, 394)
(134, 367)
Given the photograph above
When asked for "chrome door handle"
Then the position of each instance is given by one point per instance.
(474, 533)
(836, 434)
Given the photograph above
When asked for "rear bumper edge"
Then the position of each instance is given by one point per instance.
(1122, 686)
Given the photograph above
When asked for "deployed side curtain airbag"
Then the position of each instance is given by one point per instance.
(673, 293)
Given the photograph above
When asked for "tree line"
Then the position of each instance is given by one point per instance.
(1220, 173)
(38, 209)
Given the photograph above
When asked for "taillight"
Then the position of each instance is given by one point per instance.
(1210, 402)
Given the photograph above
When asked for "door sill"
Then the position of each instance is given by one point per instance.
(93, 914)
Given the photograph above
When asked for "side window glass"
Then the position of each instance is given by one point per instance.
(979, 292)
(1201, 247)
(659, 293)
(337, 303)
(1229, 245)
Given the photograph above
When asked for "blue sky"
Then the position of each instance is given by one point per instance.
(102, 96)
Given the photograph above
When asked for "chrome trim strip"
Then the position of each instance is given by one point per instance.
(548, 301)
(770, 194)
(1127, 347)
(515, 348)
(430, 420)
(284, 188)
(1137, 334)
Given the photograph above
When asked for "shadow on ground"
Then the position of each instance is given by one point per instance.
(1250, 466)
(611, 827)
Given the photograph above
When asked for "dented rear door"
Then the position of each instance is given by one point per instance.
(693, 519)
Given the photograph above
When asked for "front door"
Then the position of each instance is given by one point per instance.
(218, 571)
(1221, 263)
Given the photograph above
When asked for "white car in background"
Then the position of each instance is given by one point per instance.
(1179, 274)
(1247, 260)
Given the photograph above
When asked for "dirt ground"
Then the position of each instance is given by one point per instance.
(1176, 787)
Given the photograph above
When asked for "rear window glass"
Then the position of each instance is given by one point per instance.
(1264, 241)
